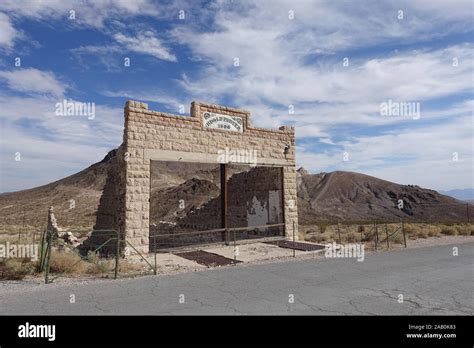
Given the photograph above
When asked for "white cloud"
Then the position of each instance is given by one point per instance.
(48, 159)
(276, 54)
(145, 43)
(88, 13)
(33, 80)
(172, 103)
(105, 16)
(51, 146)
(411, 155)
(8, 34)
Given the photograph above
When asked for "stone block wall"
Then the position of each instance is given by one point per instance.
(152, 135)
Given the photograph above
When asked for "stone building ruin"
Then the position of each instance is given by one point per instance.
(236, 152)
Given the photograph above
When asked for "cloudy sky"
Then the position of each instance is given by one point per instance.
(327, 67)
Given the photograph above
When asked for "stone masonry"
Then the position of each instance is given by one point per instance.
(152, 135)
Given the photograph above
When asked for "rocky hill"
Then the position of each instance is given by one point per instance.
(349, 196)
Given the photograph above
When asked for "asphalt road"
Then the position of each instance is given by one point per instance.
(431, 280)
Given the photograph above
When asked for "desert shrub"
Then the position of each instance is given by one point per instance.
(334, 237)
(433, 231)
(318, 238)
(65, 262)
(414, 231)
(97, 265)
(98, 268)
(421, 233)
(351, 237)
(15, 269)
(129, 266)
(464, 230)
(449, 230)
(302, 235)
(409, 228)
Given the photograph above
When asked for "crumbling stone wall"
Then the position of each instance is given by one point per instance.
(112, 200)
(249, 193)
(152, 135)
(255, 197)
(111, 210)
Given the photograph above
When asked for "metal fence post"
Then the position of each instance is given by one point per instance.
(404, 236)
(117, 256)
(294, 244)
(339, 233)
(48, 259)
(375, 226)
(376, 236)
(42, 254)
(235, 249)
(386, 234)
(154, 247)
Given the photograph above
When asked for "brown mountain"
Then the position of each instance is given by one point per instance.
(324, 196)
(348, 196)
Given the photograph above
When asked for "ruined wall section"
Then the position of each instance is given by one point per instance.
(151, 130)
(249, 195)
(111, 210)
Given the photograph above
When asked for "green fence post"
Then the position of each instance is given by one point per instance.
(48, 259)
(42, 254)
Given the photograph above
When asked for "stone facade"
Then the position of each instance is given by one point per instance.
(152, 135)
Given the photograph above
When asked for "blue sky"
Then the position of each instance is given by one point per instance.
(335, 62)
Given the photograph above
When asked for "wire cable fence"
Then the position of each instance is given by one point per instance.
(182, 240)
(107, 250)
(382, 226)
(67, 258)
